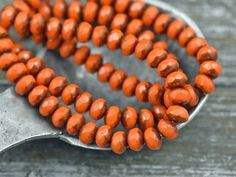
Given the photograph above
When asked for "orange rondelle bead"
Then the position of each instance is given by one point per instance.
(7, 60)
(119, 21)
(53, 28)
(136, 9)
(195, 45)
(45, 76)
(167, 129)
(155, 93)
(146, 119)
(121, 5)
(68, 29)
(207, 53)
(21, 23)
(37, 24)
(22, 6)
(185, 36)
(45, 11)
(6, 45)
(129, 86)
(129, 117)
(161, 44)
(90, 11)
(93, 63)
(69, 93)
(159, 112)
(57, 85)
(74, 10)
(16, 71)
(177, 114)
(54, 43)
(176, 79)
(161, 23)
(105, 72)
(204, 83)
(116, 80)
(141, 91)
(7, 16)
(152, 139)
(113, 116)
(83, 102)
(59, 9)
(134, 27)
(135, 139)
(114, 39)
(84, 32)
(34, 65)
(35, 4)
(193, 94)
(143, 48)
(24, 55)
(87, 133)
(175, 29)
(166, 98)
(67, 48)
(128, 44)
(211, 69)
(149, 15)
(167, 66)
(37, 95)
(48, 106)
(74, 124)
(98, 109)
(105, 15)
(99, 35)
(118, 142)
(81, 54)
(155, 57)
(103, 136)
(147, 35)
(25, 85)
(179, 96)
(60, 116)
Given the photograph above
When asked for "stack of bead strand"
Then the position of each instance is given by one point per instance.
(47, 22)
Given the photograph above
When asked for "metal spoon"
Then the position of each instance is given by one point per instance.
(20, 123)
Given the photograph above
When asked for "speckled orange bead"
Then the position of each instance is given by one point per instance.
(179, 96)
(167, 66)
(6, 45)
(155, 93)
(90, 11)
(21, 23)
(161, 44)
(93, 63)
(142, 49)
(45, 11)
(204, 83)
(147, 35)
(34, 65)
(105, 15)
(177, 114)
(99, 35)
(159, 112)
(161, 23)
(57, 85)
(129, 118)
(136, 9)
(113, 116)
(54, 43)
(118, 142)
(129, 86)
(59, 9)
(128, 44)
(155, 57)
(114, 39)
(7, 60)
(69, 93)
(84, 32)
(167, 129)
(7, 16)
(152, 139)
(74, 124)
(74, 10)
(116, 80)
(149, 15)
(121, 5)
(87, 133)
(141, 91)
(67, 48)
(211, 69)
(105, 72)
(207, 53)
(83, 102)
(134, 27)
(37, 95)
(48, 106)
(176, 79)
(81, 54)
(16, 71)
(146, 119)
(119, 21)
(68, 29)
(175, 28)
(25, 85)
(194, 95)
(45, 76)
(53, 28)
(37, 24)
(103, 136)
(98, 109)
(60, 117)
(185, 36)
(135, 139)
(194, 45)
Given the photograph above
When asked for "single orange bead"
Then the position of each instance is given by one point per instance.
(68, 29)
(134, 27)
(60, 117)
(7, 60)
(54, 43)
(99, 35)
(81, 54)
(175, 28)
(7, 16)
(211, 69)
(159, 112)
(69, 93)
(25, 85)
(114, 39)
(147, 35)
(87, 133)
(98, 109)
(128, 44)
(90, 11)
(155, 57)
(119, 21)
(149, 15)
(121, 5)
(37, 95)
(116, 80)
(45, 76)
(93, 63)
(34, 65)
(35, 4)
(105, 72)
(6, 45)
(21, 23)
(167, 129)
(16, 71)
(161, 23)
(167, 66)
(155, 93)
(129, 86)
(74, 10)
(57, 85)
(141, 91)
(59, 9)
(195, 45)
(179, 96)
(83, 102)
(113, 116)
(194, 95)
(166, 98)
(37, 24)
(53, 28)
(177, 114)
(105, 15)
(207, 53)
(204, 83)
(67, 48)
(74, 124)
(103, 136)
(22, 6)
(84, 32)
(129, 117)
(118, 142)
(48, 106)
(152, 139)
(176, 79)
(161, 44)
(45, 11)
(146, 119)
(135, 139)
(142, 49)
(185, 36)
(136, 9)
